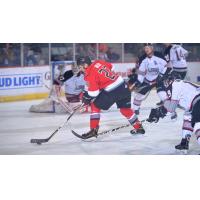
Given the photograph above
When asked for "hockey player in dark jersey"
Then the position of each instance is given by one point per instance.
(187, 95)
(104, 89)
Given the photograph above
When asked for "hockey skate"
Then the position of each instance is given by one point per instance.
(174, 116)
(139, 131)
(92, 133)
(184, 145)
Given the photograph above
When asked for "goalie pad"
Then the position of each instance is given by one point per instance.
(55, 103)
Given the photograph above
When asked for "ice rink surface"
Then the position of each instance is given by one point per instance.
(18, 126)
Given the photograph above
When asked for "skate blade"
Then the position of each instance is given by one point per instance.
(182, 152)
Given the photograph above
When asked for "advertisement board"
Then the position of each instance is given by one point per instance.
(21, 83)
(24, 82)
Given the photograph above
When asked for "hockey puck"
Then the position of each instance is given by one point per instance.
(39, 143)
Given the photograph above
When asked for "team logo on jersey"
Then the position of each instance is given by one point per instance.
(97, 65)
(155, 62)
(153, 70)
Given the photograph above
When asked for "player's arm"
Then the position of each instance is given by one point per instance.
(180, 53)
(58, 82)
(92, 90)
(184, 52)
(164, 71)
(170, 105)
(62, 78)
(138, 78)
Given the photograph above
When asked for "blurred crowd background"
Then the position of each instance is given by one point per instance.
(34, 54)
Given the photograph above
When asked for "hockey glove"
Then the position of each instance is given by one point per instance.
(135, 86)
(132, 79)
(86, 98)
(156, 114)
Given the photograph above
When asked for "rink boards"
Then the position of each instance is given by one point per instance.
(27, 83)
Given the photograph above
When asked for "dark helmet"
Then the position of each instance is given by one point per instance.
(83, 60)
(176, 75)
(170, 78)
(148, 44)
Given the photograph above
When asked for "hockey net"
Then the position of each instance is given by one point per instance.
(56, 101)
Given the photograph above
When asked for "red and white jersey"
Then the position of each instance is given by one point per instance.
(182, 94)
(150, 68)
(177, 58)
(99, 76)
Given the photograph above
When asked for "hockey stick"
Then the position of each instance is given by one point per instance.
(59, 100)
(110, 131)
(40, 141)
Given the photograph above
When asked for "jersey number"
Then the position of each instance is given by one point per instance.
(107, 73)
(180, 55)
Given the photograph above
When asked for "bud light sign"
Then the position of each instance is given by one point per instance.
(20, 81)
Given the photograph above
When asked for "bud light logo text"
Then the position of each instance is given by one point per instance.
(20, 81)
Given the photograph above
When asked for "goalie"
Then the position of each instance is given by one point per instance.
(73, 83)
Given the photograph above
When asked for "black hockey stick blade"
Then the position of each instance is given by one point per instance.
(80, 136)
(39, 141)
(77, 135)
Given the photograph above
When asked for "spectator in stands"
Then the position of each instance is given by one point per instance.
(91, 51)
(103, 48)
(33, 56)
(112, 56)
(106, 53)
(30, 57)
(86, 50)
(8, 57)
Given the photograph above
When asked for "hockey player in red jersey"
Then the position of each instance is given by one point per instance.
(104, 89)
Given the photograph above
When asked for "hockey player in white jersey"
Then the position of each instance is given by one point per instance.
(186, 95)
(176, 55)
(152, 67)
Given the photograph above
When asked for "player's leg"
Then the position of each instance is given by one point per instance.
(197, 131)
(140, 96)
(161, 92)
(187, 130)
(196, 119)
(94, 122)
(163, 95)
(133, 120)
(103, 101)
(124, 104)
